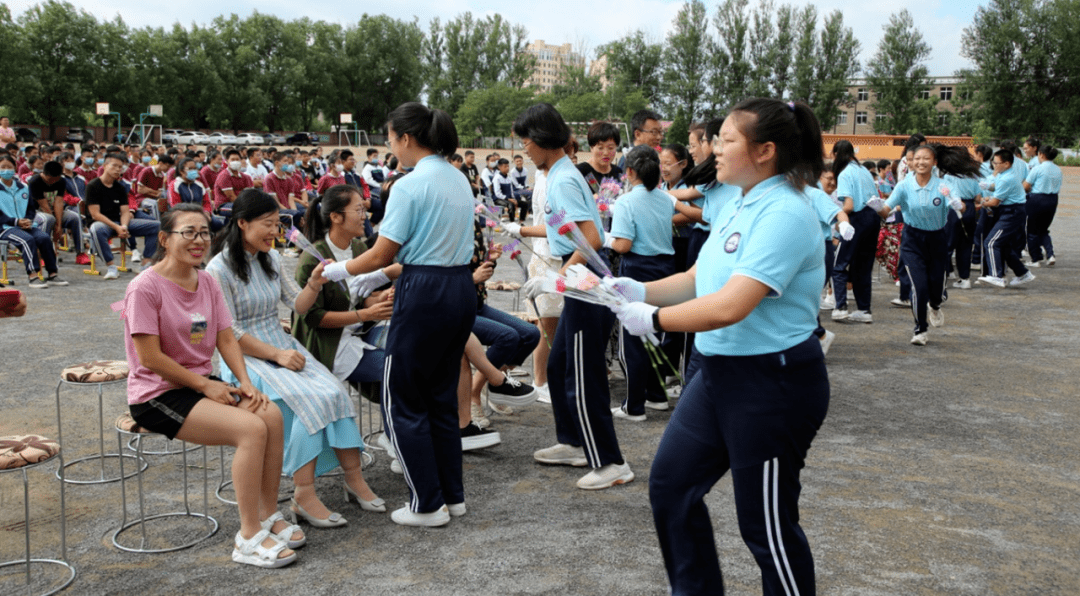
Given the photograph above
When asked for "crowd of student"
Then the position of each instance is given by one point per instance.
(725, 250)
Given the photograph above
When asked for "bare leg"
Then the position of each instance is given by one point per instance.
(547, 326)
(304, 493)
(354, 474)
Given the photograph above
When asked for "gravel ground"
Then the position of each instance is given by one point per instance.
(948, 469)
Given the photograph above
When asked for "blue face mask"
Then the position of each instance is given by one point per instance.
(288, 168)
(192, 175)
(198, 164)
(146, 159)
(7, 174)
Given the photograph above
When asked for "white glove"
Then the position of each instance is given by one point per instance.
(631, 289)
(636, 317)
(533, 288)
(609, 241)
(876, 203)
(364, 285)
(847, 231)
(955, 203)
(985, 184)
(335, 271)
(512, 228)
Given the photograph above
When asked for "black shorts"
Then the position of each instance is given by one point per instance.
(165, 414)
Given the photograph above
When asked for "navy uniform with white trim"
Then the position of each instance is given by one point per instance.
(1010, 218)
(431, 217)
(755, 405)
(826, 210)
(963, 229)
(1045, 181)
(643, 217)
(855, 257)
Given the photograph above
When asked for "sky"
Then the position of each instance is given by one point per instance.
(590, 23)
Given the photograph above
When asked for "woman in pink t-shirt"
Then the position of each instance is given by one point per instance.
(174, 318)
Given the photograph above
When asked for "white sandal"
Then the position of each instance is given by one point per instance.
(252, 552)
(286, 534)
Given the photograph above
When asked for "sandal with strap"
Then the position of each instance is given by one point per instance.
(286, 534)
(252, 552)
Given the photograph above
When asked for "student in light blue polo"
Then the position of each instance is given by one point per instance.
(1031, 152)
(983, 154)
(854, 258)
(926, 201)
(1010, 216)
(428, 226)
(1043, 184)
(964, 235)
(577, 370)
(641, 233)
(829, 214)
(762, 391)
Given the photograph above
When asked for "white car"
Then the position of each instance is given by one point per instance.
(192, 137)
(249, 138)
(170, 134)
(221, 138)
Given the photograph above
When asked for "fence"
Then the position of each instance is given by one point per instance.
(887, 146)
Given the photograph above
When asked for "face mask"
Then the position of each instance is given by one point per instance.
(234, 165)
(191, 175)
(288, 168)
(340, 168)
(7, 174)
(198, 164)
(69, 165)
(146, 159)
(37, 170)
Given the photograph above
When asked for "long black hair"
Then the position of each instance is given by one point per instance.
(953, 160)
(681, 154)
(168, 224)
(705, 172)
(250, 205)
(335, 200)
(795, 131)
(646, 165)
(1049, 151)
(433, 129)
(543, 125)
(843, 154)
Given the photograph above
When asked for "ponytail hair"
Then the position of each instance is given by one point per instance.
(335, 200)
(795, 131)
(1049, 151)
(250, 205)
(704, 172)
(985, 152)
(646, 165)
(432, 129)
(953, 160)
(843, 154)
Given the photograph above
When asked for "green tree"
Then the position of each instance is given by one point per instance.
(803, 81)
(240, 102)
(898, 75)
(731, 81)
(634, 63)
(490, 112)
(836, 62)
(686, 61)
(583, 107)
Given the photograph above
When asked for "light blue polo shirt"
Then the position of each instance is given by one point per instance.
(825, 208)
(567, 191)
(986, 170)
(770, 235)
(431, 215)
(1020, 168)
(1007, 188)
(965, 189)
(858, 183)
(924, 207)
(1045, 178)
(14, 200)
(643, 217)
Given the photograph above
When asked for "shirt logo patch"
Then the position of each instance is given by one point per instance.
(937, 201)
(198, 328)
(547, 208)
(732, 243)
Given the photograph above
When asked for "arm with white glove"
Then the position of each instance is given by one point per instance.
(336, 271)
(631, 289)
(363, 285)
(638, 319)
(847, 231)
(513, 229)
(876, 203)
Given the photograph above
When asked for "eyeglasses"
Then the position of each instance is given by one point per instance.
(190, 234)
(359, 212)
(997, 163)
(655, 131)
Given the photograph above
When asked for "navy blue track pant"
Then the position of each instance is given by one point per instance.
(855, 260)
(1041, 209)
(643, 382)
(963, 238)
(925, 253)
(1001, 247)
(755, 416)
(434, 309)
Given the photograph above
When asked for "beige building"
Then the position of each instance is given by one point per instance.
(550, 64)
(858, 116)
(598, 68)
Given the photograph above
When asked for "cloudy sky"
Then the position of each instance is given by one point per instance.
(588, 23)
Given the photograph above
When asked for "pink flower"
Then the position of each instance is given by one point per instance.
(566, 229)
(560, 285)
(944, 190)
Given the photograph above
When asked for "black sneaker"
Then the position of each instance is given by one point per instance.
(474, 437)
(511, 393)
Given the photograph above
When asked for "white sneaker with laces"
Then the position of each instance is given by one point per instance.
(936, 317)
(136, 256)
(457, 509)
(826, 341)
(395, 467)
(963, 284)
(1034, 264)
(994, 281)
(900, 303)
(561, 454)
(828, 302)
(620, 412)
(1023, 279)
(860, 316)
(919, 339)
(1050, 261)
(406, 517)
(839, 315)
(543, 394)
(659, 406)
(111, 273)
(606, 477)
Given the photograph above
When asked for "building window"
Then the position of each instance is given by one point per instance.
(879, 117)
(860, 118)
(943, 119)
(946, 93)
(842, 119)
(924, 94)
(863, 95)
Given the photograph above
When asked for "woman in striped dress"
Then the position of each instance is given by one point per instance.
(321, 430)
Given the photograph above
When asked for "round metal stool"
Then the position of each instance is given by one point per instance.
(126, 427)
(19, 454)
(99, 373)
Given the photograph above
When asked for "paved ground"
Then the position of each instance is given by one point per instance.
(948, 469)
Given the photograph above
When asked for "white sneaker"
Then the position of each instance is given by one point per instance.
(543, 394)
(1050, 261)
(936, 317)
(826, 341)
(136, 256)
(828, 302)
(1033, 264)
(659, 406)
(919, 339)
(994, 281)
(395, 467)
(674, 391)
(291, 252)
(384, 442)
(561, 454)
(405, 517)
(457, 509)
(606, 477)
(620, 412)
(111, 273)
(860, 316)
(963, 284)
(839, 315)
(952, 275)
(1023, 279)
(900, 303)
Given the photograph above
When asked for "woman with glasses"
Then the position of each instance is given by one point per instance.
(321, 430)
(174, 317)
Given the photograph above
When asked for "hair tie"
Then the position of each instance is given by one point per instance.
(791, 105)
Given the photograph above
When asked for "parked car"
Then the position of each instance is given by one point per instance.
(249, 138)
(192, 137)
(168, 137)
(303, 138)
(26, 135)
(79, 135)
(273, 139)
(221, 138)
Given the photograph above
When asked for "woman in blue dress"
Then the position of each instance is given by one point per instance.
(321, 430)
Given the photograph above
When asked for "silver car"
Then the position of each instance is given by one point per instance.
(192, 137)
(249, 138)
(221, 138)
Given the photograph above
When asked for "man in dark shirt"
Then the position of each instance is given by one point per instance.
(48, 189)
(107, 203)
(470, 171)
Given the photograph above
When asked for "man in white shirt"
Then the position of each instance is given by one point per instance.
(254, 166)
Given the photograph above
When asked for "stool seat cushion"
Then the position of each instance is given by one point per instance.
(95, 371)
(23, 450)
(505, 286)
(127, 424)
